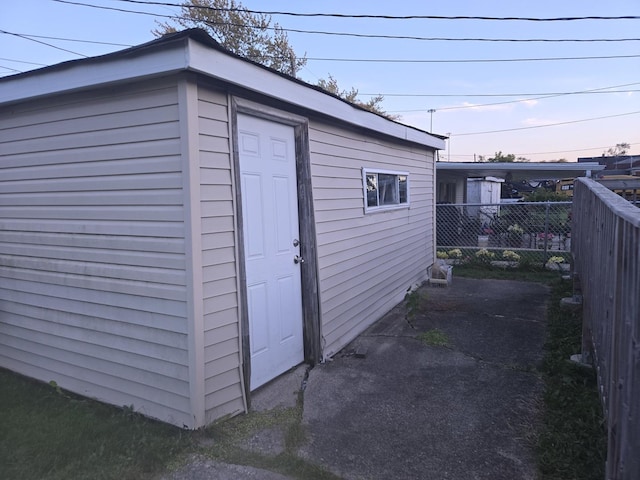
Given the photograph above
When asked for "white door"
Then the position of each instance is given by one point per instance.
(271, 246)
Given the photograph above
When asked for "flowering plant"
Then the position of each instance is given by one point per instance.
(515, 229)
(556, 259)
(485, 255)
(510, 256)
(455, 253)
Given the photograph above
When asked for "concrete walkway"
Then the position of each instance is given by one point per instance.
(393, 406)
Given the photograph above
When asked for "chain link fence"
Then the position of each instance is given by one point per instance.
(535, 230)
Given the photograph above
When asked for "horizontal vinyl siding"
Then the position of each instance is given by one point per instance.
(366, 261)
(92, 252)
(223, 387)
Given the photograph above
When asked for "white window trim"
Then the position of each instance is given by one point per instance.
(384, 208)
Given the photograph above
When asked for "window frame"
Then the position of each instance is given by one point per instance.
(383, 208)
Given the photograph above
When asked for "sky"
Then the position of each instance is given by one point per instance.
(484, 107)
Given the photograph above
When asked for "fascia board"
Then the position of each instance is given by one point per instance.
(78, 75)
(216, 64)
(196, 56)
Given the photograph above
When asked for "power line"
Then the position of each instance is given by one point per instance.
(554, 95)
(114, 9)
(70, 39)
(544, 126)
(23, 61)
(12, 69)
(33, 37)
(595, 90)
(479, 105)
(347, 34)
(470, 60)
(400, 37)
(385, 17)
(355, 60)
(451, 39)
(569, 151)
(24, 37)
(520, 154)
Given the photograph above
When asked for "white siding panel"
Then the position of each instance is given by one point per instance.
(366, 261)
(152, 403)
(224, 364)
(92, 252)
(224, 401)
(223, 374)
(146, 153)
(90, 139)
(98, 227)
(101, 102)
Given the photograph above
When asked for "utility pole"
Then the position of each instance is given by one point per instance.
(431, 111)
(449, 147)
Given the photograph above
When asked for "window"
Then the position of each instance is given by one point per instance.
(385, 190)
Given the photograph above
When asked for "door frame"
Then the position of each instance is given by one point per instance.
(309, 269)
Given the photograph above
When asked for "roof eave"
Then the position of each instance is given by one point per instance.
(195, 51)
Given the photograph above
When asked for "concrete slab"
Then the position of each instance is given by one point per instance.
(410, 410)
(201, 468)
(281, 392)
(392, 406)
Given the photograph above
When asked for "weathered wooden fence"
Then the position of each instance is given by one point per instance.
(606, 250)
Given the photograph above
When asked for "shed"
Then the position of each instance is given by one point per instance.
(179, 225)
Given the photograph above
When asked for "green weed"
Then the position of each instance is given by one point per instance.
(434, 337)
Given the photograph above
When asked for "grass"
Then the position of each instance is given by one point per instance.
(434, 337)
(524, 273)
(47, 433)
(571, 443)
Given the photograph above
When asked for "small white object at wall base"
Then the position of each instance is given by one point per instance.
(440, 274)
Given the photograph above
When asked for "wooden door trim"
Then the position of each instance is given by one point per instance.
(306, 219)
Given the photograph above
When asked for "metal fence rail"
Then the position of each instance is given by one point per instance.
(606, 250)
(535, 226)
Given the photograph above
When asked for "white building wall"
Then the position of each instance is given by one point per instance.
(366, 261)
(92, 254)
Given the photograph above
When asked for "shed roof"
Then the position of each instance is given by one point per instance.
(194, 50)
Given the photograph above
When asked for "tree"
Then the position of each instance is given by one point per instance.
(619, 149)
(247, 34)
(500, 157)
(253, 36)
(373, 104)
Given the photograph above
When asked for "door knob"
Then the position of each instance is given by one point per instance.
(296, 242)
(298, 259)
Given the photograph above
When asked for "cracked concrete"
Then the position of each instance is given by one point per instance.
(403, 409)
